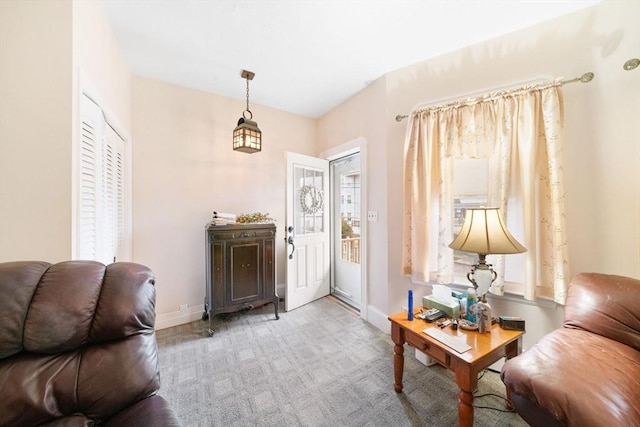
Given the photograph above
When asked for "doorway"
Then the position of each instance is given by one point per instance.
(346, 231)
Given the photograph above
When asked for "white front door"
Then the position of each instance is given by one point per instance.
(307, 230)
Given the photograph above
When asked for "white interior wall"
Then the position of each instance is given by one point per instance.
(35, 130)
(98, 58)
(43, 44)
(602, 159)
(185, 168)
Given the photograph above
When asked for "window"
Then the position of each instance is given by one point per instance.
(100, 217)
(518, 133)
(471, 190)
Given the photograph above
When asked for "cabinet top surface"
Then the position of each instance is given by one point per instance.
(233, 227)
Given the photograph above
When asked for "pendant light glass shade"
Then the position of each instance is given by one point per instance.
(247, 137)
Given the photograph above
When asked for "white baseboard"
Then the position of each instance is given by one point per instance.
(378, 319)
(281, 289)
(175, 318)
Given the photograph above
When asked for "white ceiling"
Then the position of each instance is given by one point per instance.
(308, 55)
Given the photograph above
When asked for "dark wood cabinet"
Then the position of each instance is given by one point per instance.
(240, 268)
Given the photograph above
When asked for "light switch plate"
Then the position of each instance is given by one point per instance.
(372, 216)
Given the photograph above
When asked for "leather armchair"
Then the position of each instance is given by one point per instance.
(78, 346)
(588, 372)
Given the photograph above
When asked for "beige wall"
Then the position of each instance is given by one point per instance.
(43, 44)
(35, 130)
(602, 155)
(184, 169)
(99, 62)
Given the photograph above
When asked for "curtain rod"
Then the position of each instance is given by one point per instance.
(585, 78)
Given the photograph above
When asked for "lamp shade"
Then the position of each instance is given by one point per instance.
(484, 232)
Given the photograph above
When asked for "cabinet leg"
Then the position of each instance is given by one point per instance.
(209, 329)
(276, 301)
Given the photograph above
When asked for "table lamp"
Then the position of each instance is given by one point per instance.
(484, 232)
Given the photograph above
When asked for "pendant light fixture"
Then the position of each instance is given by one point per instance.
(247, 137)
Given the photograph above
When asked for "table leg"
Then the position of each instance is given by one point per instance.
(467, 382)
(397, 335)
(465, 408)
(398, 366)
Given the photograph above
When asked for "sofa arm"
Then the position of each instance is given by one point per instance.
(153, 411)
(607, 305)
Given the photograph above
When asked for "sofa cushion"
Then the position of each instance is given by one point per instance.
(79, 343)
(580, 378)
(151, 412)
(60, 314)
(18, 284)
(606, 305)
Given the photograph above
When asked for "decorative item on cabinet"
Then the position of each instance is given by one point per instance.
(240, 268)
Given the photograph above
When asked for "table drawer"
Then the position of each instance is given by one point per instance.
(424, 346)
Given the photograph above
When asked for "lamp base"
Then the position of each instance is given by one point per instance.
(482, 275)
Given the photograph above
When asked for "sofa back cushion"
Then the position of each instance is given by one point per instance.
(78, 339)
(606, 305)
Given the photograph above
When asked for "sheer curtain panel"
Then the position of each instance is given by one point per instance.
(520, 132)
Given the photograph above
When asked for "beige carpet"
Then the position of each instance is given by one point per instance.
(319, 365)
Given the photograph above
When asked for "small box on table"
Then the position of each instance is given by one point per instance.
(451, 309)
(511, 323)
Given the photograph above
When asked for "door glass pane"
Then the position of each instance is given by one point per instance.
(308, 200)
(350, 216)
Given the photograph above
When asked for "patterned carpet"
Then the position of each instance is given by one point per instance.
(319, 365)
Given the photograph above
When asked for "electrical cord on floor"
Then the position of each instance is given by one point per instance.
(479, 378)
(506, 401)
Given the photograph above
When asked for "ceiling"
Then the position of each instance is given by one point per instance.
(308, 55)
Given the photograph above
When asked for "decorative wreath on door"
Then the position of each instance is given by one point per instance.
(311, 199)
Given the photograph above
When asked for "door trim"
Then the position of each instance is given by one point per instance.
(358, 144)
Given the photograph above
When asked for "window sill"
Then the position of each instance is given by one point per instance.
(511, 297)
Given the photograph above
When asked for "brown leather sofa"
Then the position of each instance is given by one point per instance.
(78, 346)
(588, 372)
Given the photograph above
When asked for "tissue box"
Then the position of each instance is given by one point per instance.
(452, 310)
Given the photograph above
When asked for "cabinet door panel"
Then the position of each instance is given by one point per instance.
(245, 280)
(217, 274)
(269, 268)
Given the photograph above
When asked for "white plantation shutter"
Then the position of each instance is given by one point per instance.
(112, 195)
(101, 204)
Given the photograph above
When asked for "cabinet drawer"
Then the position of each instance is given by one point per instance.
(221, 236)
(241, 235)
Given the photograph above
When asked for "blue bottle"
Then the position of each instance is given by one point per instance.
(410, 306)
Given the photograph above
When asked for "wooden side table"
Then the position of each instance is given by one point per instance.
(486, 349)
